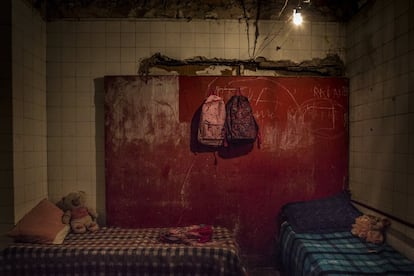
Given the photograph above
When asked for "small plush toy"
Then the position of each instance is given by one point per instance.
(370, 228)
(77, 214)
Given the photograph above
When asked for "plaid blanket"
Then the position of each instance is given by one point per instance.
(116, 251)
(338, 253)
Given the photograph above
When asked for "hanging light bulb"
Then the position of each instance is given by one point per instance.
(297, 17)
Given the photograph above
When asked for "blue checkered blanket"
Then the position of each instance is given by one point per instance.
(338, 253)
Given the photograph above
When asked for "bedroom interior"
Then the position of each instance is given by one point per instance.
(104, 96)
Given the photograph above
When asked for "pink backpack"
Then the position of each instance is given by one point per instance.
(211, 130)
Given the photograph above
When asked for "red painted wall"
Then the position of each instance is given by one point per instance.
(158, 176)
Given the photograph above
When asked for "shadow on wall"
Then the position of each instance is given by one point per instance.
(99, 100)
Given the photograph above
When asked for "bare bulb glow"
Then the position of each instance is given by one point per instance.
(297, 17)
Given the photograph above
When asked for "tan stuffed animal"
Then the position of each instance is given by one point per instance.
(370, 228)
(77, 214)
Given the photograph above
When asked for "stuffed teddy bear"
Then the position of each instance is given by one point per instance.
(370, 228)
(77, 214)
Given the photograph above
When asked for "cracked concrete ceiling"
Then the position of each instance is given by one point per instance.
(314, 10)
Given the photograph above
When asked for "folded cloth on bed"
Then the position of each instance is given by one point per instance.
(339, 253)
(187, 235)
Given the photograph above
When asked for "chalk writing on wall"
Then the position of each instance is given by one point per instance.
(297, 110)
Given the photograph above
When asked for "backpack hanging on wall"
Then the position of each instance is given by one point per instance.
(241, 126)
(212, 119)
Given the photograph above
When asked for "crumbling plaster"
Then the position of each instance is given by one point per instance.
(325, 10)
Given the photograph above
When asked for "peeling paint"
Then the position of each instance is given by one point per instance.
(331, 65)
(157, 107)
(217, 70)
(162, 72)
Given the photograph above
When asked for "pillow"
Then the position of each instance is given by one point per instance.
(42, 224)
(331, 214)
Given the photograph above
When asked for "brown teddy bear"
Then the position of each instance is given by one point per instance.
(77, 214)
(370, 228)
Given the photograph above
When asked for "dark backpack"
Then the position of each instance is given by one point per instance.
(241, 127)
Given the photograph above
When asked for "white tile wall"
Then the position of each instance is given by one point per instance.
(29, 107)
(380, 65)
(80, 53)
